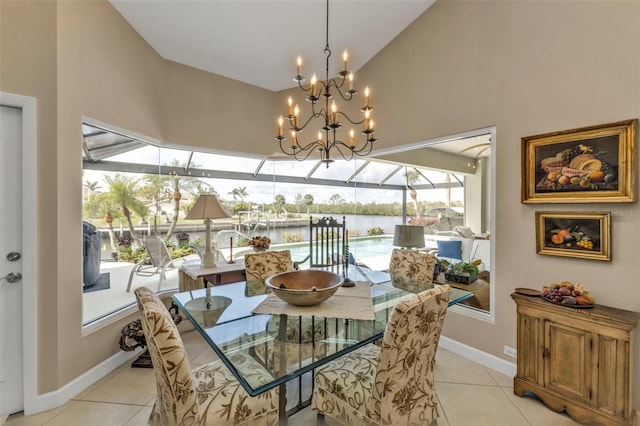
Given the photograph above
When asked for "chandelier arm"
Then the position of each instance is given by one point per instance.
(311, 117)
(350, 120)
(350, 93)
(300, 86)
(359, 151)
(337, 145)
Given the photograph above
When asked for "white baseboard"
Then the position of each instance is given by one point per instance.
(60, 396)
(490, 361)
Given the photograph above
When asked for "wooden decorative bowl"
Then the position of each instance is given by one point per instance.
(306, 287)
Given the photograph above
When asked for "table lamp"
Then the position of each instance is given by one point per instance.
(207, 207)
(408, 236)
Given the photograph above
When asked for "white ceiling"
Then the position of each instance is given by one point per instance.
(257, 41)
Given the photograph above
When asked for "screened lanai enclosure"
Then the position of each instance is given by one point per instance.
(133, 188)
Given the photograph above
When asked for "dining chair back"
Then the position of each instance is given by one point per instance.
(327, 245)
(412, 270)
(260, 266)
(393, 383)
(157, 262)
(207, 395)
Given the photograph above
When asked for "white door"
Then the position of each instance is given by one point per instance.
(11, 380)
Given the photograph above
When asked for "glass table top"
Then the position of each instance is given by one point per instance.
(264, 351)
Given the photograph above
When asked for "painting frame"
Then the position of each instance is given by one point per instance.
(596, 164)
(585, 235)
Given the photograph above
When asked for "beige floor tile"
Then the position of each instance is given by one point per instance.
(129, 386)
(537, 413)
(141, 417)
(452, 368)
(442, 420)
(36, 419)
(83, 413)
(100, 382)
(501, 379)
(205, 356)
(475, 405)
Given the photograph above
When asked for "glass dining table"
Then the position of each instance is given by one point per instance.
(284, 347)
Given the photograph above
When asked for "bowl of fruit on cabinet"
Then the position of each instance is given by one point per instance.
(567, 294)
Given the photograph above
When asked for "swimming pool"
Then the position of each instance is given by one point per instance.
(373, 251)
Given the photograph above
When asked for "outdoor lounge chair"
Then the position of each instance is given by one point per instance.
(158, 261)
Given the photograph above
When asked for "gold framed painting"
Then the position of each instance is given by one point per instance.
(585, 235)
(594, 164)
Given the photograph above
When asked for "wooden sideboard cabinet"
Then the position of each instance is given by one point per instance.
(577, 360)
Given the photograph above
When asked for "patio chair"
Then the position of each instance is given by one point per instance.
(391, 384)
(412, 270)
(327, 241)
(209, 394)
(158, 261)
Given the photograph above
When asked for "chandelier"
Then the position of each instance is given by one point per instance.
(326, 115)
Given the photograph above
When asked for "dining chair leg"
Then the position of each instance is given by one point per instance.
(320, 419)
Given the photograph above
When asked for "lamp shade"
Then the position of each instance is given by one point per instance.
(408, 236)
(207, 207)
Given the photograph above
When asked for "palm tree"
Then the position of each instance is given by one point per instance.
(178, 183)
(101, 204)
(411, 177)
(336, 199)
(155, 193)
(298, 200)
(278, 203)
(92, 187)
(308, 201)
(123, 193)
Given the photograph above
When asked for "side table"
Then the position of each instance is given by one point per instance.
(192, 276)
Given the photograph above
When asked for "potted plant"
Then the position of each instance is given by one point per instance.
(183, 239)
(260, 243)
(460, 272)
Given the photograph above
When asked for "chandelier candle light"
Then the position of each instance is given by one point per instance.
(328, 115)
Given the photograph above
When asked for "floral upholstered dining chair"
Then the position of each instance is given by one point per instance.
(391, 384)
(259, 266)
(412, 270)
(207, 395)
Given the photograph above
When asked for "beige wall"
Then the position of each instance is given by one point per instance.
(525, 67)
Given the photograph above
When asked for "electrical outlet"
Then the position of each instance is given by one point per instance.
(509, 351)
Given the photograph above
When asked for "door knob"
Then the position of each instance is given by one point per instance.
(12, 278)
(13, 256)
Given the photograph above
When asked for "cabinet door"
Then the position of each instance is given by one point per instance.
(530, 346)
(567, 361)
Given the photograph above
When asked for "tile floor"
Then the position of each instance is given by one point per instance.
(470, 395)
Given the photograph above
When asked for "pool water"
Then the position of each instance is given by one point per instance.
(374, 252)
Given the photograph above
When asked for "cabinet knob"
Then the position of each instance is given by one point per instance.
(546, 352)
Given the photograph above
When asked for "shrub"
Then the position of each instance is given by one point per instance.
(376, 230)
(291, 237)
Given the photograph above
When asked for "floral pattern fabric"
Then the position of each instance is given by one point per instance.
(391, 384)
(260, 266)
(412, 270)
(207, 395)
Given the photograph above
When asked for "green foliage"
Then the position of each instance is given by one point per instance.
(459, 268)
(376, 230)
(291, 237)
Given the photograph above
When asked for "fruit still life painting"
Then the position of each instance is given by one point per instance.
(574, 234)
(578, 167)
